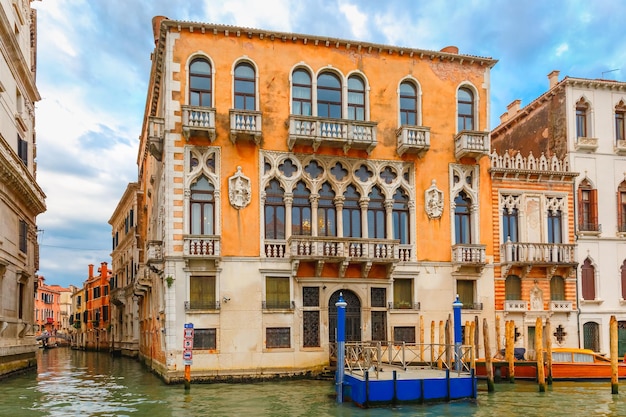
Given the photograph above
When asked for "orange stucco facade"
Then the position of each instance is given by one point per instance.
(258, 273)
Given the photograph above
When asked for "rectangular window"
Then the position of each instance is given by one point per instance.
(379, 297)
(621, 211)
(20, 300)
(22, 150)
(23, 236)
(277, 293)
(379, 325)
(404, 334)
(311, 328)
(403, 293)
(310, 296)
(465, 290)
(619, 126)
(581, 122)
(554, 226)
(105, 313)
(202, 293)
(204, 339)
(277, 337)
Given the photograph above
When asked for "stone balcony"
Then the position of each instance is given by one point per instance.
(341, 251)
(156, 135)
(515, 305)
(338, 133)
(245, 125)
(205, 246)
(469, 255)
(199, 121)
(620, 147)
(413, 139)
(529, 255)
(586, 144)
(154, 252)
(472, 144)
(561, 306)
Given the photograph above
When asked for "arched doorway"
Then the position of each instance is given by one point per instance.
(353, 316)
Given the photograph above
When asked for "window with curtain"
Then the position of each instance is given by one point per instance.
(513, 288)
(557, 288)
(581, 118)
(509, 224)
(554, 226)
(202, 207)
(408, 104)
(351, 212)
(621, 207)
(202, 293)
(465, 290)
(587, 207)
(277, 293)
(356, 98)
(326, 212)
(465, 109)
(376, 228)
(402, 293)
(588, 280)
(301, 99)
(301, 211)
(620, 125)
(245, 87)
(328, 95)
(274, 211)
(200, 83)
(400, 216)
(462, 219)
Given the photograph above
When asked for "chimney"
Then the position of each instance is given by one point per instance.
(513, 108)
(504, 117)
(553, 77)
(450, 49)
(103, 270)
(156, 27)
(90, 270)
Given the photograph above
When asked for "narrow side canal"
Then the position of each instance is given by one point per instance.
(77, 383)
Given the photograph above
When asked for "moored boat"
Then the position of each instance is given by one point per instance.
(567, 364)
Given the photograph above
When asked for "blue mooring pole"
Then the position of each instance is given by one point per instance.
(456, 308)
(341, 345)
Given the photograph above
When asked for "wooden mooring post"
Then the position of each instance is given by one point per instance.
(549, 351)
(509, 348)
(614, 366)
(541, 374)
(488, 365)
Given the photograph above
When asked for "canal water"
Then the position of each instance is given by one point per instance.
(77, 383)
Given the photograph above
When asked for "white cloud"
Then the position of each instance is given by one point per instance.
(356, 19)
(270, 14)
(561, 49)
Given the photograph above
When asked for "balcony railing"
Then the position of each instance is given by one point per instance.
(403, 305)
(156, 135)
(515, 305)
(199, 121)
(592, 227)
(345, 134)
(202, 305)
(316, 247)
(413, 139)
(586, 144)
(278, 305)
(561, 306)
(201, 246)
(537, 253)
(245, 124)
(472, 306)
(470, 143)
(469, 254)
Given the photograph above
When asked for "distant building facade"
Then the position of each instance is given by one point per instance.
(21, 199)
(582, 121)
(535, 259)
(96, 313)
(47, 307)
(124, 333)
(278, 171)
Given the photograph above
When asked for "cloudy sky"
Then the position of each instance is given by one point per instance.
(94, 62)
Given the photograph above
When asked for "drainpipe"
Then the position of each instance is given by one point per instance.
(577, 286)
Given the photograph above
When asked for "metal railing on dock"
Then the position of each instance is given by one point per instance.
(372, 356)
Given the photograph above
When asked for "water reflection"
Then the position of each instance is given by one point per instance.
(76, 383)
